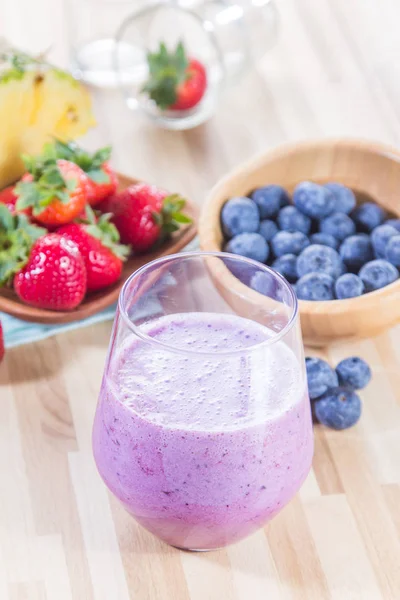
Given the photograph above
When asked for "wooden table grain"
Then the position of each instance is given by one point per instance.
(335, 71)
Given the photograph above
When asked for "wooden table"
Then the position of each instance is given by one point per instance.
(335, 71)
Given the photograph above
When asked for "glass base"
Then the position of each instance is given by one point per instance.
(198, 549)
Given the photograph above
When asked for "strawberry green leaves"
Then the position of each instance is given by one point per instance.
(166, 71)
(46, 184)
(106, 232)
(17, 236)
(171, 218)
(91, 164)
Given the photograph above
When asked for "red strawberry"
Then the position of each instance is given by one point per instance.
(17, 236)
(1, 343)
(8, 197)
(54, 191)
(144, 215)
(175, 82)
(54, 277)
(102, 181)
(101, 185)
(99, 247)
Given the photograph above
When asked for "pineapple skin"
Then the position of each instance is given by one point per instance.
(39, 104)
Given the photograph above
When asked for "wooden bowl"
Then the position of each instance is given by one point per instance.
(372, 170)
(97, 301)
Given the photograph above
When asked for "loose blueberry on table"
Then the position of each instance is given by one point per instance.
(320, 376)
(335, 403)
(353, 373)
(320, 241)
(339, 408)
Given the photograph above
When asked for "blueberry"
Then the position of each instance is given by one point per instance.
(315, 286)
(270, 199)
(338, 408)
(356, 250)
(378, 273)
(239, 215)
(348, 285)
(339, 225)
(286, 266)
(291, 219)
(325, 239)
(286, 242)
(345, 200)
(320, 377)
(268, 229)
(251, 245)
(380, 237)
(263, 283)
(320, 259)
(393, 251)
(353, 373)
(394, 223)
(313, 200)
(368, 216)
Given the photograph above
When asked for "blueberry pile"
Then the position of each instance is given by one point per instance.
(323, 244)
(332, 392)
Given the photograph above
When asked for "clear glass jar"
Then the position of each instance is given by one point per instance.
(203, 427)
(227, 36)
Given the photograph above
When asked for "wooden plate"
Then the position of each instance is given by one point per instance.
(93, 303)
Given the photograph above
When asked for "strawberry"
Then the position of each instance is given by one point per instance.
(1, 343)
(54, 277)
(144, 215)
(55, 191)
(175, 82)
(98, 245)
(8, 197)
(17, 236)
(102, 181)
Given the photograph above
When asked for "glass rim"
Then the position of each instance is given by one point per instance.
(203, 254)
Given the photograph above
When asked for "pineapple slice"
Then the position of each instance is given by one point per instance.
(37, 102)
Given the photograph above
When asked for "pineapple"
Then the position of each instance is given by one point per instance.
(37, 102)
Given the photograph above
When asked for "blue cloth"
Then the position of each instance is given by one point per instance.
(17, 332)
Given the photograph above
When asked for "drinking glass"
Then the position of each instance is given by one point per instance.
(203, 427)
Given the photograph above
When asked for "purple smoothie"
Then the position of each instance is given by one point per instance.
(205, 446)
